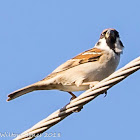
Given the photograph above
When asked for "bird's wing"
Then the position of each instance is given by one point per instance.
(88, 56)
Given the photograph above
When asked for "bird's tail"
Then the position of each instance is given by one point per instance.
(21, 91)
(40, 85)
(36, 86)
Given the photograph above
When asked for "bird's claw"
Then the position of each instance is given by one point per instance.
(92, 84)
(73, 97)
(105, 93)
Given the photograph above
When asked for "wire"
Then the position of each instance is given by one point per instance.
(77, 103)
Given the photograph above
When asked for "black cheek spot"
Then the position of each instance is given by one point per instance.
(98, 43)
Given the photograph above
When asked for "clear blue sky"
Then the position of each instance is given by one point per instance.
(36, 36)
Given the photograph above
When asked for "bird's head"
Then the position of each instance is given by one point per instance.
(110, 38)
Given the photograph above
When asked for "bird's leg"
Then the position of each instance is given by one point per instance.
(73, 96)
(92, 84)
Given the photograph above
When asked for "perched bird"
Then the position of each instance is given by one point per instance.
(84, 70)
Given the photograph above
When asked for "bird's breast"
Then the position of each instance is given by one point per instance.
(102, 69)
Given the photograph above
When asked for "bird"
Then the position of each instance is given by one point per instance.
(84, 70)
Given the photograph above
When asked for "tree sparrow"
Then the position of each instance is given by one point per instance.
(84, 70)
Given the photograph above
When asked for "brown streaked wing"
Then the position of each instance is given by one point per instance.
(88, 56)
(67, 65)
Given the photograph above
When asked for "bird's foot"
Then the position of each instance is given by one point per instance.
(92, 84)
(73, 97)
(105, 93)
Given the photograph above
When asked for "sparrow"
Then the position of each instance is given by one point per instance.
(84, 70)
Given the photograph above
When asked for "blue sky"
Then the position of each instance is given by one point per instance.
(37, 36)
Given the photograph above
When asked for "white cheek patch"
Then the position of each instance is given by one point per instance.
(103, 42)
(118, 47)
(103, 45)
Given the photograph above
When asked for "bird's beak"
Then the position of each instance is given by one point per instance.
(109, 33)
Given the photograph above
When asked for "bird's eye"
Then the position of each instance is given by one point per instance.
(102, 34)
